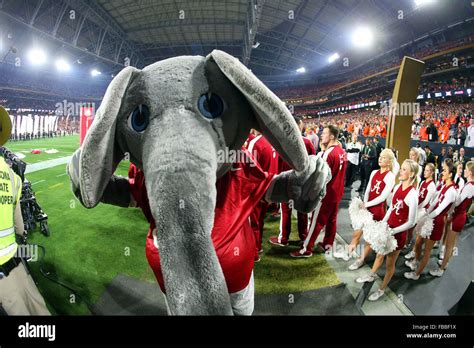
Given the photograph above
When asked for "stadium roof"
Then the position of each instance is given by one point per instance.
(273, 37)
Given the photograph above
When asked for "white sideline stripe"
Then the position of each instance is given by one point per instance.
(47, 164)
(37, 182)
(61, 175)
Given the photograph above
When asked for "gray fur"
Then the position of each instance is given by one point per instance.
(178, 153)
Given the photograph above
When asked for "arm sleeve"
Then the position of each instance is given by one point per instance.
(465, 194)
(411, 200)
(389, 183)
(387, 214)
(18, 218)
(431, 190)
(366, 194)
(449, 198)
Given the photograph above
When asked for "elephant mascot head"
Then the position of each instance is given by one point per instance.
(173, 118)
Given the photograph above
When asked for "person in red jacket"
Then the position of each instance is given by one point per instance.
(325, 213)
(267, 158)
(231, 235)
(286, 208)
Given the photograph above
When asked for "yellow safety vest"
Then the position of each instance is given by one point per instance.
(10, 192)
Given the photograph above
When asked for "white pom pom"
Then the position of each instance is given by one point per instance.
(380, 238)
(359, 215)
(425, 224)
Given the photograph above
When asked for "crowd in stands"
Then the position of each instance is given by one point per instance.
(320, 90)
(447, 123)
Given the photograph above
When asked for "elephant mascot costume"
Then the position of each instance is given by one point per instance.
(172, 119)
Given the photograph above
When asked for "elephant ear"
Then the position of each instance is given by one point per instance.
(99, 156)
(272, 116)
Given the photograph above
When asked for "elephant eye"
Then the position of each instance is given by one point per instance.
(139, 118)
(210, 105)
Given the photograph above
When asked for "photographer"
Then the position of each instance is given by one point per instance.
(18, 292)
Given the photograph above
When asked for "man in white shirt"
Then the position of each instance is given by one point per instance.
(470, 133)
(353, 152)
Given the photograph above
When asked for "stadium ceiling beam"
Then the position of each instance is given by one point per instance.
(145, 47)
(267, 63)
(183, 23)
(313, 20)
(57, 39)
(104, 20)
(338, 24)
(305, 44)
(35, 13)
(254, 12)
(87, 11)
(291, 26)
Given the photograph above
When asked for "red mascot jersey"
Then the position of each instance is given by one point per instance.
(238, 192)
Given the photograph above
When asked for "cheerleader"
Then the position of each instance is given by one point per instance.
(458, 179)
(426, 193)
(458, 184)
(438, 211)
(381, 184)
(415, 156)
(462, 203)
(400, 217)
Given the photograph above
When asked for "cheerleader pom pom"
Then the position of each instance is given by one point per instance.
(424, 227)
(427, 228)
(380, 238)
(359, 215)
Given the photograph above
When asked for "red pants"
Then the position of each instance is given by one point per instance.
(285, 224)
(257, 220)
(326, 216)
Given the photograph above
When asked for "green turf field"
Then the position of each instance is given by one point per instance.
(65, 146)
(88, 248)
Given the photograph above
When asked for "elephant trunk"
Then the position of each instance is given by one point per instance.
(180, 182)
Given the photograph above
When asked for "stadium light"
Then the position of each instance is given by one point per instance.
(333, 57)
(362, 37)
(62, 65)
(37, 56)
(419, 3)
(301, 70)
(95, 72)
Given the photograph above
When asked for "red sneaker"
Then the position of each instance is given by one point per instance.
(257, 258)
(300, 253)
(274, 241)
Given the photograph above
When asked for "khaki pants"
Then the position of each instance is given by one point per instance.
(19, 294)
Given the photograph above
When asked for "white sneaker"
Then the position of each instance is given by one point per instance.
(376, 295)
(368, 278)
(339, 255)
(346, 257)
(437, 272)
(436, 245)
(356, 265)
(413, 264)
(411, 275)
(410, 255)
(441, 253)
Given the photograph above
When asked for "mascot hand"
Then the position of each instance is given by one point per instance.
(306, 189)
